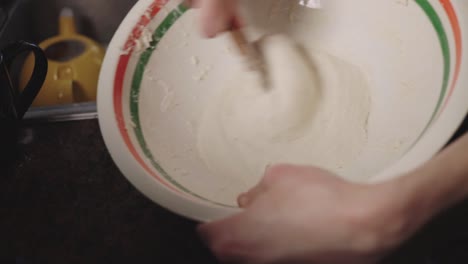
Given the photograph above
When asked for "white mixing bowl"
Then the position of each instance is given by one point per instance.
(158, 73)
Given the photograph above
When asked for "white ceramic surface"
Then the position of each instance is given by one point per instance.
(151, 99)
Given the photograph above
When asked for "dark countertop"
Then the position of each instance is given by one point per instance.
(65, 201)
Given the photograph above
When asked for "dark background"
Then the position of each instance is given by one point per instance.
(63, 200)
(37, 20)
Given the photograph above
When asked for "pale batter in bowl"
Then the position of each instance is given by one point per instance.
(312, 100)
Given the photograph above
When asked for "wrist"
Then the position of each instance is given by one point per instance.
(391, 212)
(388, 218)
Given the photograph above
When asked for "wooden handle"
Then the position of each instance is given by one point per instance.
(252, 58)
(241, 42)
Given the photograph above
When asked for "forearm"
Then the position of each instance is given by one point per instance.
(437, 185)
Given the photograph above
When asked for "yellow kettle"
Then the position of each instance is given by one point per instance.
(74, 65)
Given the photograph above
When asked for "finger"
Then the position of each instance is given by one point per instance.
(193, 3)
(237, 23)
(217, 16)
(246, 199)
(276, 172)
(232, 239)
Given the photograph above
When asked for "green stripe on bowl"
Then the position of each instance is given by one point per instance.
(175, 14)
(165, 25)
(444, 44)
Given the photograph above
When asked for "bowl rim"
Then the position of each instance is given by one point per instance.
(435, 137)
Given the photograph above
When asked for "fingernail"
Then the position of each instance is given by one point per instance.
(242, 200)
(209, 33)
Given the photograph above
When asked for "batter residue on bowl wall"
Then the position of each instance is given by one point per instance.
(313, 112)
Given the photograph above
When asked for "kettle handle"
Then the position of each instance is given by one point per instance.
(27, 96)
(67, 22)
